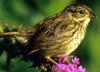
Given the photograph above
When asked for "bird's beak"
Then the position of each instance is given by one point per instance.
(92, 15)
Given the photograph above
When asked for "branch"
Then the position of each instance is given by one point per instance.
(23, 33)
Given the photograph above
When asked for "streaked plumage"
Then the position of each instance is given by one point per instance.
(61, 33)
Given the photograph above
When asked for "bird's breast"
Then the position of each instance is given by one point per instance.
(76, 39)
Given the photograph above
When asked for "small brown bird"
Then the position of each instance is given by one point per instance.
(61, 34)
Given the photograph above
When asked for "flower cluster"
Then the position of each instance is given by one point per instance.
(68, 64)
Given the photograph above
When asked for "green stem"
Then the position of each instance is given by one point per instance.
(8, 62)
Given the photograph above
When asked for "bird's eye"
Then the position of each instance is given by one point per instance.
(81, 12)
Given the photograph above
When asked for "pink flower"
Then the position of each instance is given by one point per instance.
(73, 66)
(75, 60)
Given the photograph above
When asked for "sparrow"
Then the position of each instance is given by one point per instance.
(60, 34)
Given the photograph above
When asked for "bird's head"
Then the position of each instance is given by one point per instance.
(79, 12)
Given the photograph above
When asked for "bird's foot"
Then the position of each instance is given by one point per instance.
(51, 60)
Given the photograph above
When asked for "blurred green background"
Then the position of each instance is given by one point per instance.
(29, 12)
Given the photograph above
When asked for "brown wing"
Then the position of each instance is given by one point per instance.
(41, 28)
(41, 32)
